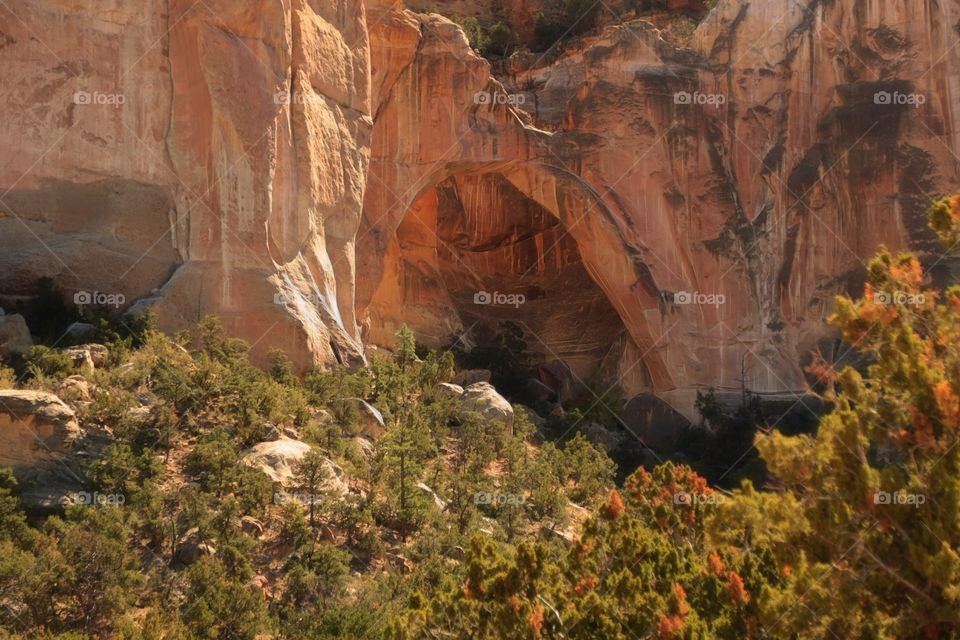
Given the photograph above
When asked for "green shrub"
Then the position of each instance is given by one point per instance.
(581, 15)
(500, 41)
(42, 361)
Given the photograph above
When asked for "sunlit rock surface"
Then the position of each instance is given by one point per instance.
(318, 173)
(719, 196)
(197, 157)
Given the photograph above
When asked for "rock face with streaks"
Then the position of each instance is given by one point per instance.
(318, 172)
(717, 196)
(192, 157)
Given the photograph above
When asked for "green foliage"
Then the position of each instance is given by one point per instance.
(121, 472)
(874, 492)
(219, 605)
(13, 523)
(622, 579)
(42, 361)
(581, 15)
(588, 469)
(312, 473)
(667, 555)
(722, 444)
(213, 461)
(8, 377)
(500, 40)
(281, 368)
(317, 577)
(892, 434)
(490, 40)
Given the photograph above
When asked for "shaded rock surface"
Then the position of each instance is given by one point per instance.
(15, 336)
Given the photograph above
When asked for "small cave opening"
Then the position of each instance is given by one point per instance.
(479, 267)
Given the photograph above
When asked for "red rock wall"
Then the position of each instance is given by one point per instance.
(266, 161)
(771, 195)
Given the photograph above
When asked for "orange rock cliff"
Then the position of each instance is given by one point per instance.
(317, 173)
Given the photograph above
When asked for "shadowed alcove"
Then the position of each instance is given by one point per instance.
(477, 264)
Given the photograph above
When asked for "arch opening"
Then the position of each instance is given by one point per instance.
(478, 266)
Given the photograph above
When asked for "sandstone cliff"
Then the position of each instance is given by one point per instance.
(755, 171)
(318, 172)
(201, 157)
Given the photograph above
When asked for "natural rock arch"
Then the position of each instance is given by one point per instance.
(557, 194)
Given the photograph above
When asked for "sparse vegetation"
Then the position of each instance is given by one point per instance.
(451, 525)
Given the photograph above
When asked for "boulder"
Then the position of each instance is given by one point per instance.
(438, 502)
(468, 377)
(278, 459)
(484, 399)
(139, 414)
(557, 376)
(399, 562)
(364, 447)
(449, 390)
(654, 422)
(251, 526)
(40, 440)
(97, 354)
(565, 536)
(262, 583)
(14, 336)
(607, 439)
(190, 550)
(540, 391)
(538, 421)
(82, 332)
(320, 415)
(270, 431)
(371, 420)
(80, 357)
(35, 427)
(76, 388)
